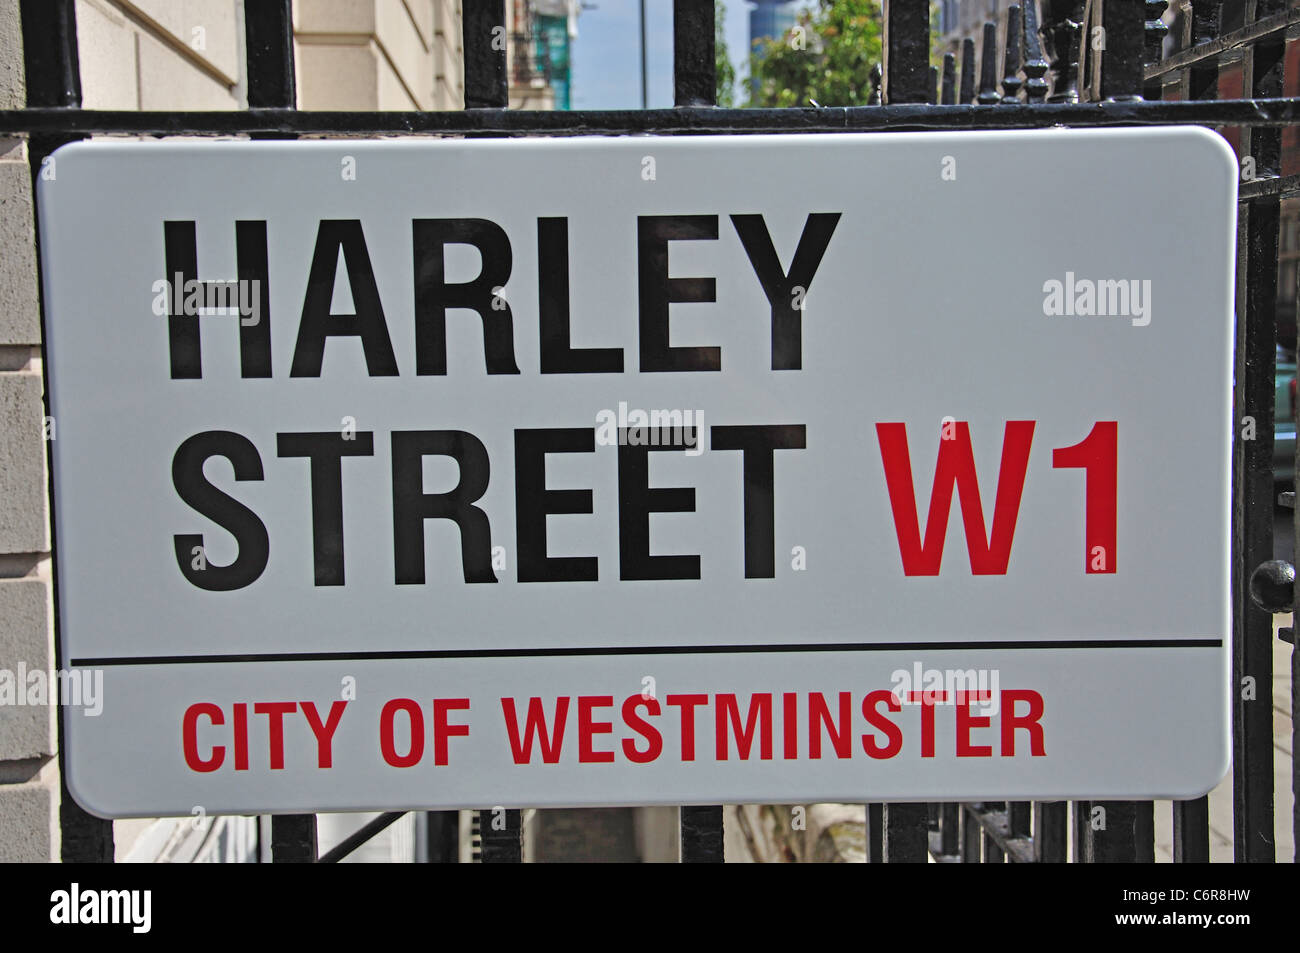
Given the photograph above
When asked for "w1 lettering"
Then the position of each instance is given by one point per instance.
(990, 553)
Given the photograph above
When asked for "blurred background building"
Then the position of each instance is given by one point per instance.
(542, 35)
(349, 54)
(768, 20)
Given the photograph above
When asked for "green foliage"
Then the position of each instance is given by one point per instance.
(725, 73)
(827, 57)
(937, 46)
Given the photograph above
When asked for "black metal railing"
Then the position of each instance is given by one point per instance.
(1048, 71)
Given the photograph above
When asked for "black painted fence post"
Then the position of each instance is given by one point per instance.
(694, 66)
(268, 40)
(1049, 832)
(907, 51)
(1115, 832)
(694, 84)
(875, 833)
(501, 836)
(293, 839)
(1122, 40)
(701, 835)
(442, 837)
(483, 36)
(906, 837)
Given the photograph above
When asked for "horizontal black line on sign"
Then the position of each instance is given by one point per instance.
(648, 650)
(1282, 111)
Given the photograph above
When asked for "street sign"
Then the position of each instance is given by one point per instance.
(431, 474)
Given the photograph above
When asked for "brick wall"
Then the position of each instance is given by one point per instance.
(28, 775)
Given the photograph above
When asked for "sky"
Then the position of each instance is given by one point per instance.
(607, 52)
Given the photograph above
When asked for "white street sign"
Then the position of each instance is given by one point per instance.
(430, 474)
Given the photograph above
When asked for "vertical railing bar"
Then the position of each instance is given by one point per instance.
(967, 94)
(1118, 832)
(1131, 838)
(293, 839)
(905, 837)
(970, 834)
(483, 37)
(949, 828)
(1081, 835)
(988, 94)
(645, 82)
(442, 837)
(948, 91)
(701, 835)
(1253, 478)
(1011, 81)
(1019, 818)
(268, 41)
(501, 839)
(50, 59)
(1127, 833)
(1144, 832)
(1049, 831)
(1064, 35)
(875, 833)
(1035, 67)
(268, 45)
(1191, 819)
(1123, 23)
(694, 66)
(695, 84)
(907, 51)
(1192, 831)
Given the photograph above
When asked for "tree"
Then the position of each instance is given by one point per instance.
(826, 57)
(725, 73)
